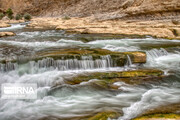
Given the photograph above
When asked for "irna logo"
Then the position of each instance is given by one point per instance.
(18, 91)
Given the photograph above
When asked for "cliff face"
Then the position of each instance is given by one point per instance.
(102, 9)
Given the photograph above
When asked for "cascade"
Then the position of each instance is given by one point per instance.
(155, 53)
(86, 62)
(129, 61)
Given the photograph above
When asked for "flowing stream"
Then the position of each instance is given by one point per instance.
(71, 101)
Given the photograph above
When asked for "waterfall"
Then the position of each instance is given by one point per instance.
(129, 61)
(8, 66)
(155, 53)
(86, 62)
(155, 56)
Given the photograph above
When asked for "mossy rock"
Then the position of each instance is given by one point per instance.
(118, 58)
(76, 51)
(137, 57)
(168, 111)
(159, 116)
(122, 74)
(108, 78)
(105, 115)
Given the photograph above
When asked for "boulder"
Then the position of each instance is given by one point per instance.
(4, 34)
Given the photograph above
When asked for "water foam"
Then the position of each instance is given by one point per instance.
(162, 59)
(151, 99)
(14, 27)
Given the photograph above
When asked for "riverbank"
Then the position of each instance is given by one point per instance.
(157, 28)
(169, 29)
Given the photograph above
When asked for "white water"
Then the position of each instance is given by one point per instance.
(151, 99)
(86, 62)
(120, 45)
(79, 100)
(14, 27)
(129, 62)
(162, 59)
(71, 101)
(35, 45)
(42, 34)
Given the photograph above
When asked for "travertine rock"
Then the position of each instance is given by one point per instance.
(3, 34)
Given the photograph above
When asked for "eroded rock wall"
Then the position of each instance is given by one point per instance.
(102, 9)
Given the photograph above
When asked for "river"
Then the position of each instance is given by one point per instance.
(71, 101)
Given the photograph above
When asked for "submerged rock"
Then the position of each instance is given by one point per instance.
(99, 116)
(3, 34)
(105, 115)
(106, 79)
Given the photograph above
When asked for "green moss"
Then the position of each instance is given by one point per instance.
(130, 77)
(165, 116)
(105, 115)
(119, 58)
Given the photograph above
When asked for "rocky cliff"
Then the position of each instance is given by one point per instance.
(102, 9)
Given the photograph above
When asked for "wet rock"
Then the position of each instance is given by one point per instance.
(80, 58)
(137, 57)
(108, 78)
(159, 117)
(105, 115)
(163, 112)
(4, 34)
(120, 58)
(98, 116)
(163, 109)
(83, 58)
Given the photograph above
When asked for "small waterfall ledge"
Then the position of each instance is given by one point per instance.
(77, 62)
